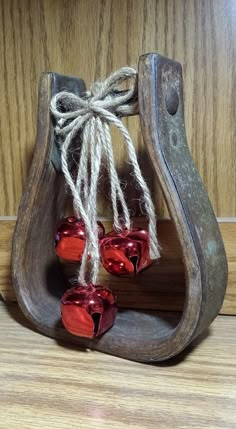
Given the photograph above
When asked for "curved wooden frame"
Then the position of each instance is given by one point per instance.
(37, 279)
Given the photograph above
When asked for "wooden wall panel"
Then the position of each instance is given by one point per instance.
(90, 38)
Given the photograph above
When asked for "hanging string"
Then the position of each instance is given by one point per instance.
(91, 116)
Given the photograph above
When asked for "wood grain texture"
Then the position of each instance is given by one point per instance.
(45, 384)
(6, 233)
(80, 39)
(170, 271)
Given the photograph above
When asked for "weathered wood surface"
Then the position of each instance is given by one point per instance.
(161, 112)
(88, 41)
(46, 384)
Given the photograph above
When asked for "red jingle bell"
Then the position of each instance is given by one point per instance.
(88, 311)
(70, 238)
(125, 253)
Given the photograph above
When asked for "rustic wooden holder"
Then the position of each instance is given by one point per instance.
(139, 335)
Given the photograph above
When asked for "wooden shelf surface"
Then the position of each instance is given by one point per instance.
(49, 385)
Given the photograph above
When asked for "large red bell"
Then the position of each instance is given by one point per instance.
(88, 311)
(125, 253)
(70, 238)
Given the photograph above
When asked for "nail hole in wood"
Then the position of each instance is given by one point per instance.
(172, 101)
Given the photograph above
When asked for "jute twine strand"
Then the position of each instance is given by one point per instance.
(91, 116)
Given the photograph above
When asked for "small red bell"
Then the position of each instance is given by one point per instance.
(88, 311)
(125, 253)
(70, 238)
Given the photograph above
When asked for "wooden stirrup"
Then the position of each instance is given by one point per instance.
(37, 277)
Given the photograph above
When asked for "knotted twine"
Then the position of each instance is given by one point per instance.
(90, 117)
